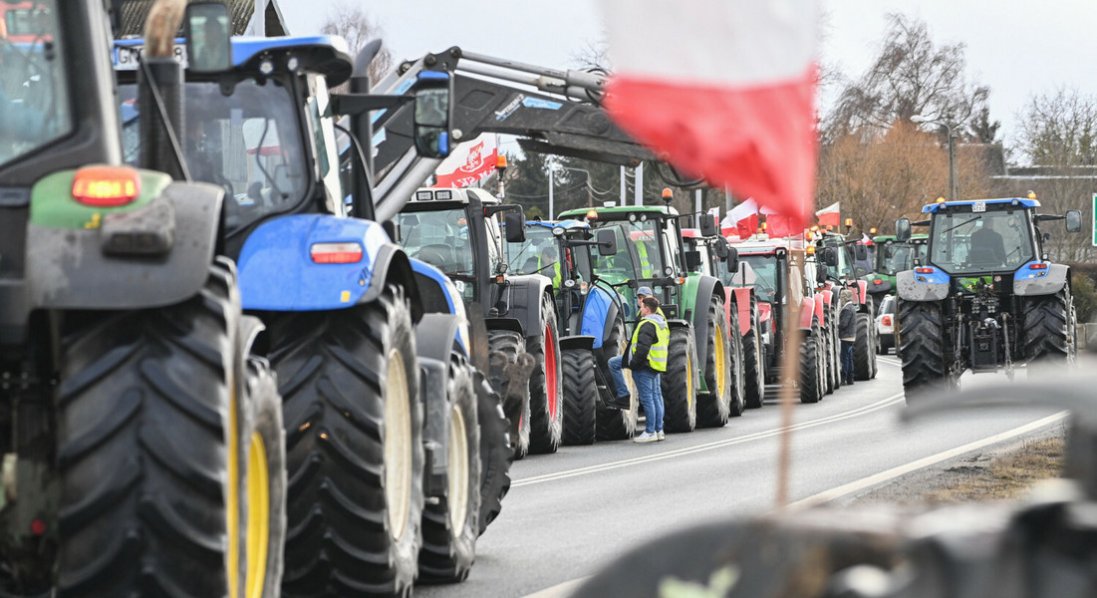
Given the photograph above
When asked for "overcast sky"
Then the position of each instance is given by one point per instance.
(1017, 47)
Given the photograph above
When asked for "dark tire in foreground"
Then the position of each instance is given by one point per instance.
(496, 452)
(1048, 329)
(143, 448)
(714, 406)
(679, 385)
(864, 349)
(580, 397)
(546, 424)
(354, 426)
(754, 364)
(451, 522)
(922, 348)
(811, 390)
(263, 480)
(505, 350)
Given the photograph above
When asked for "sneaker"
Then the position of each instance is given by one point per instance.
(661, 435)
(646, 438)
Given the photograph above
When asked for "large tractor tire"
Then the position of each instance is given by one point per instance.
(354, 436)
(833, 367)
(496, 452)
(507, 350)
(614, 423)
(1049, 329)
(713, 407)
(679, 385)
(864, 349)
(546, 424)
(580, 397)
(811, 387)
(754, 361)
(451, 522)
(262, 478)
(922, 348)
(738, 402)
(148, 452)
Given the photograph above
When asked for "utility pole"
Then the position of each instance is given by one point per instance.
(552, 204)
(639, 199)
(624, 192)
(698, 201)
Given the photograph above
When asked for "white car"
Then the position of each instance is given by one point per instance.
(885, 325)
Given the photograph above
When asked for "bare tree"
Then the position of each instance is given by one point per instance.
(351, 22)
(910, 76)
(1059, 136)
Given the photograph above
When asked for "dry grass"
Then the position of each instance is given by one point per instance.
(1004, 477)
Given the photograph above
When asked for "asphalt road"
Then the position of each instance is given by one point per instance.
(570, 513)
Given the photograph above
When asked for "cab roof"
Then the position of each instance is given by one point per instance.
(933, 208)
(427, 195)
(619, 212)
(326, 55)
(569, 225)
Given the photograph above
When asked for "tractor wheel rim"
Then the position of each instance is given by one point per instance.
(550, 371)
(397, 446)
(232, 504)
(458, 495)
(689, 382)
(258, 517)
(720, 360)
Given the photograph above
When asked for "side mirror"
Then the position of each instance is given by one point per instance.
(433, 114)
(830, 257)
(207, 29)
(693, 261)
(820, 272)
(860, 252)
(515, 223)
(607, 242)
(732, 258)
(707, 225)
(902, 230)
(720, 248)
(1074, 221)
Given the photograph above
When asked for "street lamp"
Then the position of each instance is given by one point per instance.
(552, 185)
(919, 119)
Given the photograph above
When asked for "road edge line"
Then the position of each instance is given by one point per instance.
(901, 470)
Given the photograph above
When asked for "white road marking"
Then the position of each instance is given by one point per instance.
(559, 590)
(700, 448)
(895, 472)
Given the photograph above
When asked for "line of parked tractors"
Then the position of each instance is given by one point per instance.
(243, 350)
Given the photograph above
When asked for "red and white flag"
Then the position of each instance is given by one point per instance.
(830, 215)
(724, 89)
(467, 166)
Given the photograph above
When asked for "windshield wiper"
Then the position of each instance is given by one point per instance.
(952, 228)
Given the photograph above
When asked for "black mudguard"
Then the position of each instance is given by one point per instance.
(436, 336)
(568, 343)
(392, 265)
(522, 297)
(67, 269)
(433, 381)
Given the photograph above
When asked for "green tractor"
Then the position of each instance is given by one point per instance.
(650, 253)
(142, 447)
(892, 257)
(987, 297)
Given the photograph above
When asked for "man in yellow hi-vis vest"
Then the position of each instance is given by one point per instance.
(647, 354)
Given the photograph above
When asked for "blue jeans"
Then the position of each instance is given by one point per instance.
(620, 387)
(847, 361)
(651, 398)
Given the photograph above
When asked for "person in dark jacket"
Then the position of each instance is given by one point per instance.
(847, 333)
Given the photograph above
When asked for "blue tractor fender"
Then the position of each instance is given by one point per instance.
(440, 296)
(1040, 278)
(599, 313)
(926, 283)
(315, 262)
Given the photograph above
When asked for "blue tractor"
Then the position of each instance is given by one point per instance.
(592, 324)
(384, 415)
(987, 298)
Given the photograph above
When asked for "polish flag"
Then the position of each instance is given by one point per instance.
(830, 215)
(743, 218)
(723, 89)
(472, 162)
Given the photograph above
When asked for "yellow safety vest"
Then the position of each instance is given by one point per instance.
(556, 279)
(645, 264)
(657, 354)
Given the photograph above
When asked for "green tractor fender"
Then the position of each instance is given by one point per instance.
(696, 293)
(154, 251)
(1028, 282)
